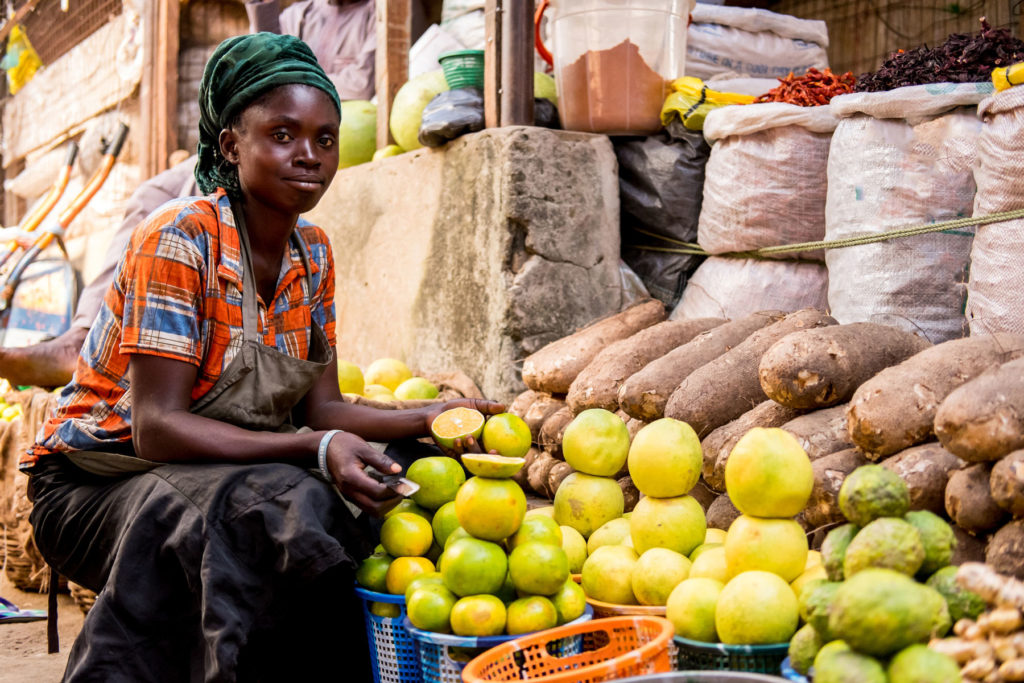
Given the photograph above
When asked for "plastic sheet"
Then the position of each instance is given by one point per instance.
(661, 181)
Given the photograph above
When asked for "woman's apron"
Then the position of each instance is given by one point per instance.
(241, 537)
(259, 387)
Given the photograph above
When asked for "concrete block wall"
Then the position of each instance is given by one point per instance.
(475, 255)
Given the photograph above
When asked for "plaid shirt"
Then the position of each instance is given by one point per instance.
(177, 293)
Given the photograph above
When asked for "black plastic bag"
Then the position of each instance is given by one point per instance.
(451, 114)
(661, 186)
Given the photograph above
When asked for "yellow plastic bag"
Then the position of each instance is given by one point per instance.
(21, 60)
(1006, 77)
(691, 100)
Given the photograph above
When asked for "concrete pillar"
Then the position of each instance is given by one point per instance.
(475, 255)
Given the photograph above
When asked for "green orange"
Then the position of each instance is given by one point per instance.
(507, 434)
(406, 535)
(478, 615)
(439, 478)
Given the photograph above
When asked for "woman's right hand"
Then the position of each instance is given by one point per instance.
(347, 459)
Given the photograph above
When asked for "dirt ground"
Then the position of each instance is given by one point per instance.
(23, 657)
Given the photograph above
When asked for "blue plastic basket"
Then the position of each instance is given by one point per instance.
(443, 656)
(393, 652)
(791, 674)
(694, 655)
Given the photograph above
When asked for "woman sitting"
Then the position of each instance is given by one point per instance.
(171, 477)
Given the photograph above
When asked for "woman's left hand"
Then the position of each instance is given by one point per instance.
(471, 445)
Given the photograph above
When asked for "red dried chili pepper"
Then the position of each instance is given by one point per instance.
(813, 89)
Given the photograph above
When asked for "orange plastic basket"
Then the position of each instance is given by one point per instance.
(613, 648)
(609, 609)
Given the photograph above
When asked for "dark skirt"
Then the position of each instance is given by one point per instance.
(206, 572)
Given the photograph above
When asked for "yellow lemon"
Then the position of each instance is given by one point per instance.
(389, 372)
(350, 378)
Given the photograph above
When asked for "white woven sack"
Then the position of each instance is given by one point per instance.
(752, 42)
(764, 183)
(893, 165)
(733, 288)
(995, 292)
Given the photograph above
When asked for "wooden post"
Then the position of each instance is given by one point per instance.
(517, 63)
(492, 63)
(159, 90)
(394, 26)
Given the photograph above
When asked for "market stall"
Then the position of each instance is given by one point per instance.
(755, 320)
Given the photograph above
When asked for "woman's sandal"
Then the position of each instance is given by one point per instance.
(9, 613)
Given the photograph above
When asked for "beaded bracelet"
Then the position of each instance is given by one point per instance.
(321, 453)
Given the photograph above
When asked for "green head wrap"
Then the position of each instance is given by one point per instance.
(239, 71)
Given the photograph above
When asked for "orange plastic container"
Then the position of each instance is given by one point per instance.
(613, 648)
(608, 609)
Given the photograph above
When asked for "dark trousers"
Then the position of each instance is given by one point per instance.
(206, 572)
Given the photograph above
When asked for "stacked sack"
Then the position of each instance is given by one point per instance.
(899, 158)
(752, 42)
(996, 283)
(765, 186)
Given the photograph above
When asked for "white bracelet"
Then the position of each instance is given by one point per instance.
(321, 453)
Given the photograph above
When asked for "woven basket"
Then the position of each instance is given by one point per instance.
(82, 596)
(22, 562)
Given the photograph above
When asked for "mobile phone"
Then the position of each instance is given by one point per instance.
(396, 482)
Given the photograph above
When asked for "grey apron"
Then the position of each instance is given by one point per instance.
(259, 387)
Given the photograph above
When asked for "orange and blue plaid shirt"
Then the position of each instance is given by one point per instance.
(177, 293)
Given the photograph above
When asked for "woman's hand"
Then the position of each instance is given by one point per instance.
(470, 445)
(347, 459)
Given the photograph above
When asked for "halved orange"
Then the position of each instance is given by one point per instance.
(491, 466)
(457, 423)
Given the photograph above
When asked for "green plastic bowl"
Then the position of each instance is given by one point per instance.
(463, 68)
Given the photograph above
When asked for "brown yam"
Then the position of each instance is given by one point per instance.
(522, 402)
(718, 444)
(969, 548)
(597, 386)
(969, 502)
(557, 475)
(703, 495)
(537, 477)
(728, 386)
(926, 470)
(554, 367)
(829, 473)
(821, 432)
(544, 407)
(645, 394)
(630, 493)
(722, 513)
(984, 419)
(633, 426)
(521, 477)
(1007, 483)
(896, 408)
(1005, 552)
(817, 368)
(550, 437)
